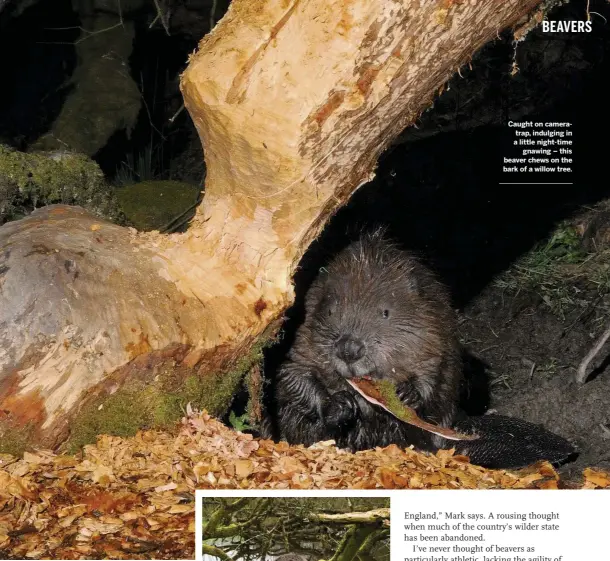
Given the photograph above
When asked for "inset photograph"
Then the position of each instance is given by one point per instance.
(295, 528)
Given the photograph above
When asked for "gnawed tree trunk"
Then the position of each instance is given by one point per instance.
(294, 102)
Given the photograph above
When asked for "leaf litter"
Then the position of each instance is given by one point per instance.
(133, 498)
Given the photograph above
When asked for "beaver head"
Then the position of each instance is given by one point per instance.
(376, 311)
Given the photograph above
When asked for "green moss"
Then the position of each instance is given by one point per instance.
(120, 415)
(161, 403)
(44, 178)
(152, 205)
(14, 441)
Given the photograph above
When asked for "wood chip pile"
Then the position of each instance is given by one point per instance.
(133, 498)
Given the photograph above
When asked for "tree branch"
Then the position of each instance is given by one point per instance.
(355, 537)
(369, 517)
(215, 552)
(581, 373)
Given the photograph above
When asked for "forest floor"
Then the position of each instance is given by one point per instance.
(133, 498)
(529, 330)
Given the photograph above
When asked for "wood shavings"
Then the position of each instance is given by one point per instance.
(596, 479)
(133, 498)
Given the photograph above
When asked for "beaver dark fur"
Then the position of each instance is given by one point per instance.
(377, 311)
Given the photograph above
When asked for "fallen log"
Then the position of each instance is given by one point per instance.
(294, 102)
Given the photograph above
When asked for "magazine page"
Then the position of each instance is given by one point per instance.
(288, 280)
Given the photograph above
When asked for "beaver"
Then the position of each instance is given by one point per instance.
(377, 311)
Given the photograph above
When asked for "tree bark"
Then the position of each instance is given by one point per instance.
(294, 102)
(367, 517)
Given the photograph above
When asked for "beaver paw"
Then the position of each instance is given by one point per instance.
(341, 409)
(410, 394)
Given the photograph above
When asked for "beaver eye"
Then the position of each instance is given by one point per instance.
(328, 304)
(333, 305)
(386, 314)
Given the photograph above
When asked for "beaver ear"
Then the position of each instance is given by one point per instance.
(316, 291)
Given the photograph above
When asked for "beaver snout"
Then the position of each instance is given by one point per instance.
(349, 349)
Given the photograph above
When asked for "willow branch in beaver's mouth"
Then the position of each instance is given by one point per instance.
(383, 394)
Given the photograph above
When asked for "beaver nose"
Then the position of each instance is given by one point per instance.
(349, 349)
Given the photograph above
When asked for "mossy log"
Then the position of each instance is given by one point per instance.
(294, 102)
(37, 179)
